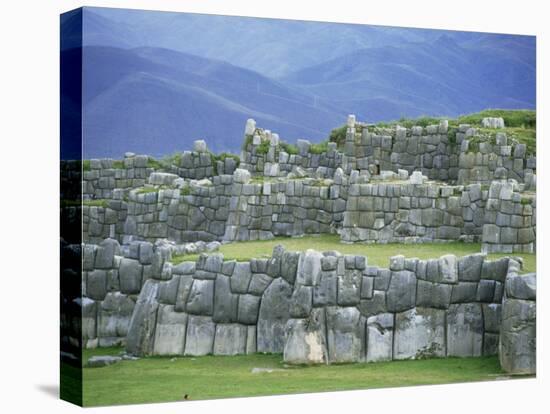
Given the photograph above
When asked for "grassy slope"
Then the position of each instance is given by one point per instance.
(165, 379)
(377, 254)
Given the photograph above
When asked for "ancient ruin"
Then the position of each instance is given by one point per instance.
(406, 185)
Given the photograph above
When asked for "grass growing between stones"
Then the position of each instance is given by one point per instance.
(158, 379)
(377, 254)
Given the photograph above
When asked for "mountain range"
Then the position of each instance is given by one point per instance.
(156, 81)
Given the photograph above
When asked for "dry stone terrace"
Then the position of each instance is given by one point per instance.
(417, 185)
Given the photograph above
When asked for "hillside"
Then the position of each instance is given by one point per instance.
(154, 101)
(413, 79)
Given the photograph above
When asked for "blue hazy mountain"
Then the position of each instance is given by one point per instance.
(157, 101)
(439, 77)
(156, 81)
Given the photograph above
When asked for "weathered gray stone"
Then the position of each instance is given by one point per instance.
(225, 302)
(273, 316)
(345, 334)
(130, 276)
(433, 295)
(105, 254)
(241, 277)
(168, 291)
(184, 268)
(517, 346)
(289, 266)
(306, 339)
(349, 288)
(96, 286)
(170, 331)
(259, 283)
(367, 287)
(419, 333)
(464, 330)
(200, 335)
(98, 361)
(464, 292)
(380, 337)
(139, 340)
(448, 269)
(230, 339)
(490, 344)
(114, 315)
(375, 305)
(241, 176)
(325, 292)
(491, 317)
(522, 286)
(485, 290)
(469, 267)
(301, 303)
(495, 270)
(248, 309)
(201, 298)
(184, 287)
(309, 268)
(401, 294)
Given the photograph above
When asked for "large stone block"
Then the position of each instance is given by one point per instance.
(230, 339)
(170, 331)
(105, 253)
(464, 292)
(306, 339)
(380, 337)
(464, 330)
(89, 318)
(491, 317)
(419, 333)
(201, 298)
(520, 286)
(168, 291)
(241, 277)
(495, 269)
(401, 294)
(130, 274)
(96, 284)
(433, 295)
(302, 300)
(184, 287)
(469, 267)
(114, 315)
(309, 268)
(349, 287)
(140, 338)
(289, 266)
(375, 305)
(345, 334)
(200, 335)
(518, 341)
(225, 302)
(248, 309)
(273, 316)
(324, 294)
(448, 269)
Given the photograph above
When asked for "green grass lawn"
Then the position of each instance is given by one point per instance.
(377, 254)
(158, 379)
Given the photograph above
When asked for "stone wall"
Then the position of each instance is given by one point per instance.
(436, 151)
(518, 333)
(404, 212)
(112, 279)
(236, 207)
(510, 219)
(319, 307)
